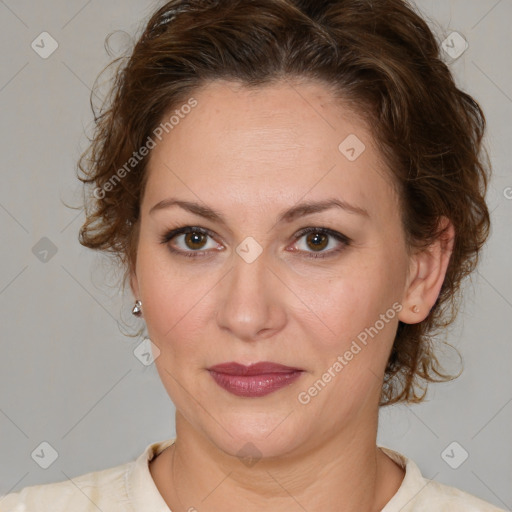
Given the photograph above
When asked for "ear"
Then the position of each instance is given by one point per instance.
(426, 275)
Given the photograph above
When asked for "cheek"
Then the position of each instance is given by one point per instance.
(351, 359)
(357, 294)
(354, 315)
(158, 290)
(175, 303)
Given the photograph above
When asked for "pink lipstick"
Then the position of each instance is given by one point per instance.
(256, 380)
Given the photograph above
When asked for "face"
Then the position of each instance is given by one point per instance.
(252, 286)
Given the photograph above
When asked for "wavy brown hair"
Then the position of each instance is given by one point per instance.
(379, 56)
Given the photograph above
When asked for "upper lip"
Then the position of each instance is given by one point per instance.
(260, 368)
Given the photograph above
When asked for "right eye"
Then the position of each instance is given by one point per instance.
(193, 239)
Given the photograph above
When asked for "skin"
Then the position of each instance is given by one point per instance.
(251, 154)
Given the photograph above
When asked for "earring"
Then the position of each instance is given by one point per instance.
(137, 309)
(415, 308)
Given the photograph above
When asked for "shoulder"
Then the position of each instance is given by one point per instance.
(419, 494)
(98, 490)
(441, 497)
(120, 488)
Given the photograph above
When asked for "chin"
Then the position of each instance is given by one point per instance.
(257, 437)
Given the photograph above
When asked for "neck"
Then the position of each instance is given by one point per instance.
(344, 472)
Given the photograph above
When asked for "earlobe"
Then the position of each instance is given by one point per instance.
(134, 285)
(428, 271)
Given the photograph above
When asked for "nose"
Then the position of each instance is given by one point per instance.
(252, 299)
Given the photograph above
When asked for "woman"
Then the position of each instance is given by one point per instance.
(295, 189)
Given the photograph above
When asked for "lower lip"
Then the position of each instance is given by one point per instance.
(254, 385)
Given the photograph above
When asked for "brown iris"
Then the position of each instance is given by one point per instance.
(195, 238)
(319, 240)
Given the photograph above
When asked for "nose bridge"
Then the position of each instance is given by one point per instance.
(250, 300)
(250, 273)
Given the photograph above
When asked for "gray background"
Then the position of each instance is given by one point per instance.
(68, 376)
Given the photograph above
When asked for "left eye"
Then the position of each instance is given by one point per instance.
(318, 238)
(195, 237)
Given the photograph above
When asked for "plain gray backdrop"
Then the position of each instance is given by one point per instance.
(70, 378)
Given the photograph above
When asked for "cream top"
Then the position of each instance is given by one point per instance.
(129, 487)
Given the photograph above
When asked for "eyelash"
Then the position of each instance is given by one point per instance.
(168, 236)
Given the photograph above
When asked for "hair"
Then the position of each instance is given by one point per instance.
(379, 56)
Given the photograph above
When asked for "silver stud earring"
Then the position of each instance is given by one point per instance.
(416, 309)
(137, 309)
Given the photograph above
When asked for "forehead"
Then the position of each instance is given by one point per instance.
(271, 145)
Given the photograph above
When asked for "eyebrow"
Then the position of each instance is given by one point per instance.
(300, 210)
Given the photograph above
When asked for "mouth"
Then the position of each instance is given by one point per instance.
(256, 380)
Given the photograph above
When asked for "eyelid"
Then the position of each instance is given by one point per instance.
(170, 234)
